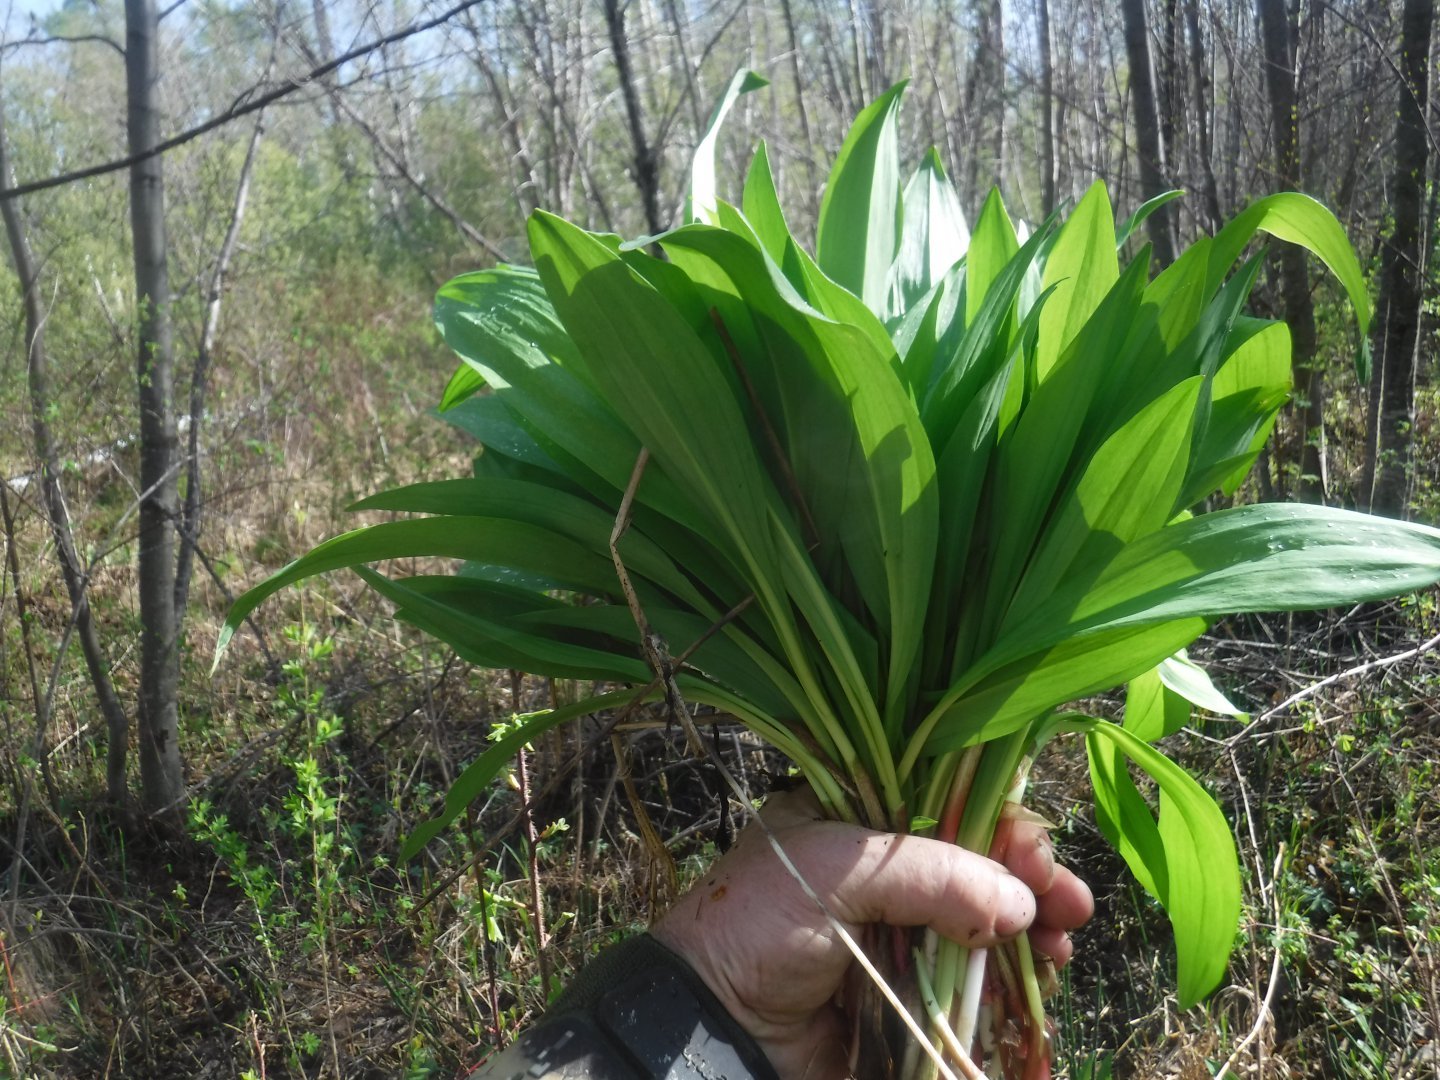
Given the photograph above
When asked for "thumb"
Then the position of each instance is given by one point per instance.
(916, 881)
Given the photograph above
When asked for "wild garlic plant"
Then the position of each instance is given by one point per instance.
(911, 495)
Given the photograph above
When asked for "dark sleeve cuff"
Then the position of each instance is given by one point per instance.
(636, 1012)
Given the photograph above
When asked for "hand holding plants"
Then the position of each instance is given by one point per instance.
(769, 955)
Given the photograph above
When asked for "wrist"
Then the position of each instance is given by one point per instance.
(660, 1014)
(809, 1045)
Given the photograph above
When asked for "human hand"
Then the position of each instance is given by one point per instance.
(776, 964)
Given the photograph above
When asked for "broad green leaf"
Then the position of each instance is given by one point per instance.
(1247, 393)
(563, 513)
(1186, 859)
(833, 300)
(852, 435)
(471, 783)
(481, 638)
(462, 384)
(1249, 558)
(761, 205)
(701, 203)
(992, 245)
(1016, 694)
(1153, 710)
(503, 325)
(933, 237)
(1272, 557)
(1143, 212)
(960, 477)
(525, 547)
(654, 371)
(965, 356)
(1125, 491)
(1081, 267)
(860, 213)
(490, 422)
(1033, 462)
(1301, 220)
(1182, 676)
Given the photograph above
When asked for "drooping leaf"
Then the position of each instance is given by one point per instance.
(1142, 214)
(1186, 859)
(1183, 677)
(701, 202)
(526, 547)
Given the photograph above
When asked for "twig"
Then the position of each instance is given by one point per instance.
(1330, 680)
(1265, 1010)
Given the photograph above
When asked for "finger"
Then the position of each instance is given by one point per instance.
(1067, 904)
(1027, 853)
(785, 808)
(914, 881)
(1051, 942)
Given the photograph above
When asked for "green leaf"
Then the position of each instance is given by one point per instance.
(485, 636)
(1016, 694)
(525, 547)
(1032, 463)
(1081, 268)
(992, 245)
(1186, 859)
(655, 372)
(1182, 676)
(700, 206)
(1249, 558)
(853, 438)
(1273, 557)
(503, 325)
(1301, 220)
(462, 384)
(1138, 218)
(761, 205)
(477, 776)
(563, 513)
(493, 424)
(1247, 392)
(860, 213)
(933, 236)
(1124, 492)
(1152, 709)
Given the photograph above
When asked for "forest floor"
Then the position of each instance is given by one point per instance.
(275, 936)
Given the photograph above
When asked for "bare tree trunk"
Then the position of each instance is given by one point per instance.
(812, 185)
(1150, 147)
(1206, 150)
(117, 724)
(1388, 444)
(161, 773)
(1047, 107)
(983, 104)
(1294, 274)
(645, 162)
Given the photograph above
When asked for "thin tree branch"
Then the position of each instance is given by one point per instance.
(237, 111)
(66, 39)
